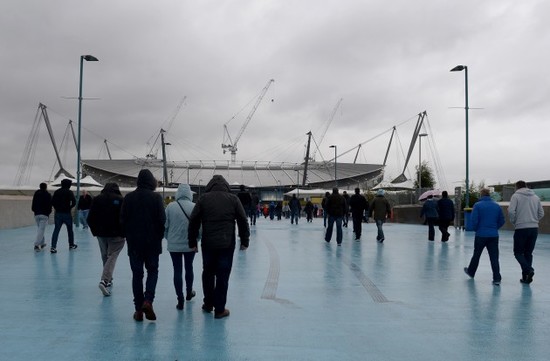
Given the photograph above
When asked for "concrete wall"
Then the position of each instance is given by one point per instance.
(410, 214)
(15, 212)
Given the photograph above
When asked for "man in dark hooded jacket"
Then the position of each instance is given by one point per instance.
(104, 222)
(143, 221)
(217, 210)
(42, 208)
(63, 201)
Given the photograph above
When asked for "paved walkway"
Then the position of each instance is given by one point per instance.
(291, 296)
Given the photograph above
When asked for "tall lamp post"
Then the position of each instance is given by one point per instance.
(465, 68)
(335, 156)
(78, 170)
(420, 162)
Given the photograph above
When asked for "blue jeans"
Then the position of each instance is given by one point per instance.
(293, 216)
(431, 227)
(61, 219)
(151, 263)
(328, 234)
(524, 245)
(379, 224)
(216, 266)
(491, 243)
(188, 258)
(83, 217)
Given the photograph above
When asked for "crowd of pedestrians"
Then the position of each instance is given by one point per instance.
(141, 220)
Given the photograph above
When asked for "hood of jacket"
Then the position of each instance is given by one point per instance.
(218, 183)
(184, 192)
(525, 192)
(66, 183)
(111, 188)
(146, 180)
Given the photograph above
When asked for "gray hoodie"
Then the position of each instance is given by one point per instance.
(525, 210)
(177, 223)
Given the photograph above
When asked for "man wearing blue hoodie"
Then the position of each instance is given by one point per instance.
(487, 218)
(525, 212)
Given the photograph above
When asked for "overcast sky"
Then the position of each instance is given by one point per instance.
(387, 60)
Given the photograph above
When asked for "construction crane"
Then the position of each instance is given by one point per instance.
(231, 146)
(326, 126)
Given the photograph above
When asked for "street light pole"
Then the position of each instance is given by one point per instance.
(465, 68)
(78, 171)
(335, 156)
(420, 162)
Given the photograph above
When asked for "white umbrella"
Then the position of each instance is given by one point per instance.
(432, 192)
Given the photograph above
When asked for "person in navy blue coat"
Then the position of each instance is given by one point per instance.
(446, 210)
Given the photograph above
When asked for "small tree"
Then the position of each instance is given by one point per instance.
(427, 179)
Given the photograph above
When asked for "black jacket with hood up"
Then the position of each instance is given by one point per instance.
(143, 217)
(63, 199)
(104, 216)
(217, 210)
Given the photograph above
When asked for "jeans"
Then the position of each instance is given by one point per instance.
(109, 248)
(151, 263)
(431, 229)
(61, 219)
(41, 223)
(188, 258)
(253, 213)
(443, 228)
(328, 234)
(524, 245)
(216, 266)
(379, 224)
(294, 216)
(357, 219)
(491, 243)
(83, 217)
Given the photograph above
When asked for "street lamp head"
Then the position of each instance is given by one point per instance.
(459, 68)
(423, 135)
(90, 58)
(332, 146)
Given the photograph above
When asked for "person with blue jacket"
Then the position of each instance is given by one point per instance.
(487, 217)
(429, 212)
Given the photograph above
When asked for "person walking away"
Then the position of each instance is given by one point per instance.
(309, 210)
(104, 222)
(246, 199)
(143, 221)
(295, 208)
(42, 208)
(323, 207)
(346, 210)
(525, 211)
(217, 211)
(446, 211)
(429, 212)
(255, 201)
(335, 207)
(487, 218)
(358, 205)
(84, 203)
(380, 210)
(175, 231)
(63, 201)
(279, 210)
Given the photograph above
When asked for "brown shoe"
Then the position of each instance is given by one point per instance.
(222, 314)
(147, 309)
(138, 316)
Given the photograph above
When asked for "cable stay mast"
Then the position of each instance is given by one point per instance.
(402, 178)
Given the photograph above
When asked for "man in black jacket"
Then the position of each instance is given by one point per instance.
(143, 220)
(63, 201)
(104, 222)
(42, 208)
(358, 205)
(217, 210)
(335, 206)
